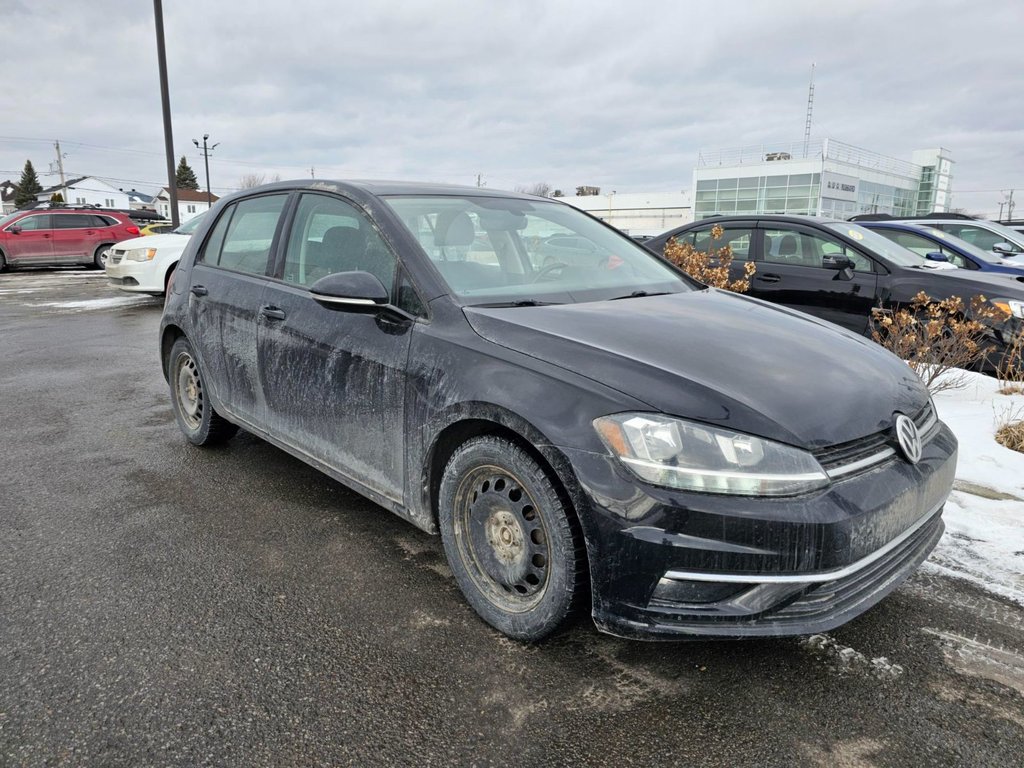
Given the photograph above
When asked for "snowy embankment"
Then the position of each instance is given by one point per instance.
(984, 539)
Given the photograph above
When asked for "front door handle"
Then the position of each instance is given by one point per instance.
(199, 290)
(769, 278)
(273, 313)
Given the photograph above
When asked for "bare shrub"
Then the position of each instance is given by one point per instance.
(936, 338)
(252, 180)
(1011, 369)
(1010, 429)
(711, 267)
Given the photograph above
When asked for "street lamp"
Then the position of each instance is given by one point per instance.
(206, 161)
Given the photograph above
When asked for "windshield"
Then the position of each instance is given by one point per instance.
(189, 226)
(492, 250)
(883, 246)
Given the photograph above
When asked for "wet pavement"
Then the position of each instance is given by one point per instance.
(162, 604)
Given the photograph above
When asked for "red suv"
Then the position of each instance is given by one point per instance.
(61, 236)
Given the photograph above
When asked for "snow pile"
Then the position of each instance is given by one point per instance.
(984, 539)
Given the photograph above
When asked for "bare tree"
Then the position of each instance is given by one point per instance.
(250, 180)
(540, 189)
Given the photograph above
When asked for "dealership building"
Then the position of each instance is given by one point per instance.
(824, 178)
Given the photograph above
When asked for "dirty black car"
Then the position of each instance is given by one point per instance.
(611, 435)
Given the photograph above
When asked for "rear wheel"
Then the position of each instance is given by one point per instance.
(99, 257)
(510, 539)
(195, 415)
(3, 262)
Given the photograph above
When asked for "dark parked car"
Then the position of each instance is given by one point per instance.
(926, 241)
(680, 460)
(40, 238)
(839, 271)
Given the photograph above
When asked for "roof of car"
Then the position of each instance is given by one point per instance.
(384, 187)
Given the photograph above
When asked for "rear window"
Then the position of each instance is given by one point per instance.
(243, 235)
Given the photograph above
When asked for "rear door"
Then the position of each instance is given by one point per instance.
(33, 242)
(73, 234)
(227, 285)
(791, 271)
(334, 380)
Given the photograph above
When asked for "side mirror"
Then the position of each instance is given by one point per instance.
(15, 230)
(1004, 248)
(936, 256)
(349, 290)
(837, 261)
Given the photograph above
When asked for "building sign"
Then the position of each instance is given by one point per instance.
(836, 186)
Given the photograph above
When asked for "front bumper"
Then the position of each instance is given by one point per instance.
(140, 276)
(668, 564)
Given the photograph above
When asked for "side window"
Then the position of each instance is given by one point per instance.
(975, 235)
(244, 242)
(72, 221)
(916, 243)
(406, 297)
(328, 235)
(805, 249)
(738, 239)
(33, 223)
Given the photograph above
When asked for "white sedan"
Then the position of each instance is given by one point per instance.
(144, 264)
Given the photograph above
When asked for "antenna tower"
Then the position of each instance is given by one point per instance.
(810, 109)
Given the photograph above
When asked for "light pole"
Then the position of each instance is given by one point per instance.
(165, 99)
(206, 161)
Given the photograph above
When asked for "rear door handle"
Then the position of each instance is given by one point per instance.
(769, 278)
(199, 290)
(273, 313)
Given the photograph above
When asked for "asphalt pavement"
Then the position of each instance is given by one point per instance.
(166, 605)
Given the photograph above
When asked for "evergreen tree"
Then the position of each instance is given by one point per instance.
(185, 177)
(28, 187)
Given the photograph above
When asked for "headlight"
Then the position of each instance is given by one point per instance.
(680, 454)
(140, 254)
(1013, 307)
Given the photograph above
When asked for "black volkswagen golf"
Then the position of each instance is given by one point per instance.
(604, 433)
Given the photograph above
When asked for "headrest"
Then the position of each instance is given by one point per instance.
(454, 228)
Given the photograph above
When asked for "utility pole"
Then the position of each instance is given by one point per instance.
(206, 160)
(1001, 210)
(312, 172)
(1009, 207)
(479, 180)
(161, 54)
(60, 167)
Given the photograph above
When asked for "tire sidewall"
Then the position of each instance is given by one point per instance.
(557, 601)
(200, 435)
(98, 259)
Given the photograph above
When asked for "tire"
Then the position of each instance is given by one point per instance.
(99, 256)
(511, 541)
(200, 424)
(3, 262)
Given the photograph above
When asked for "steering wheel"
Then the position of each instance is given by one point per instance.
(547, 268)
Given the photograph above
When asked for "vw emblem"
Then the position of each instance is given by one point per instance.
(908, 437)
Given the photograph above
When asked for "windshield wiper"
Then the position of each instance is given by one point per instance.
(640, 294)
(518, 303)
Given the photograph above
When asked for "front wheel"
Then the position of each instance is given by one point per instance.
(192, 409)
(510, 539)
(3, 262)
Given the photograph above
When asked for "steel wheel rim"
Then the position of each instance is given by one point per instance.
(502, 539)
(189, 391)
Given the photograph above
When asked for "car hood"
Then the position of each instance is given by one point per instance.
(167, 240)
(720, 358)
(991, 285)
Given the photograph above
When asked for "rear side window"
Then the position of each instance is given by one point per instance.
(73, 221)
(242, 238)
(102, 221)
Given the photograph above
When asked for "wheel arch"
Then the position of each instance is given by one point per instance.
(168, 336)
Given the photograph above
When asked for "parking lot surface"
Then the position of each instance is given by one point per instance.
(162, 604)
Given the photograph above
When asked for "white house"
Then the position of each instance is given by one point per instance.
(87, 190)
(191, 203)
(638, 213)
(8, 191)
(140, 201)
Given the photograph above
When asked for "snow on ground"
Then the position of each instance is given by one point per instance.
(87, 304)
(984, 539)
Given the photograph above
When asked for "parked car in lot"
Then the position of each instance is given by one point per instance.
(145, 264)
(926, 241)
(156, 228)
(987, 235)
(58, 236)
(613, 435)
(839, 271)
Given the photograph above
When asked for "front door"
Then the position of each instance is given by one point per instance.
(33, 243)
(227, 285)
(334, 380)
(792, 271)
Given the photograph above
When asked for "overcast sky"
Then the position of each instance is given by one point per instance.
(620, 95)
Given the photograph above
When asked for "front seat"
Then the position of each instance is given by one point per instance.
(342, 250)
(788, 250)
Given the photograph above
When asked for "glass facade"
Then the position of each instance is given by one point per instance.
(785, 193)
